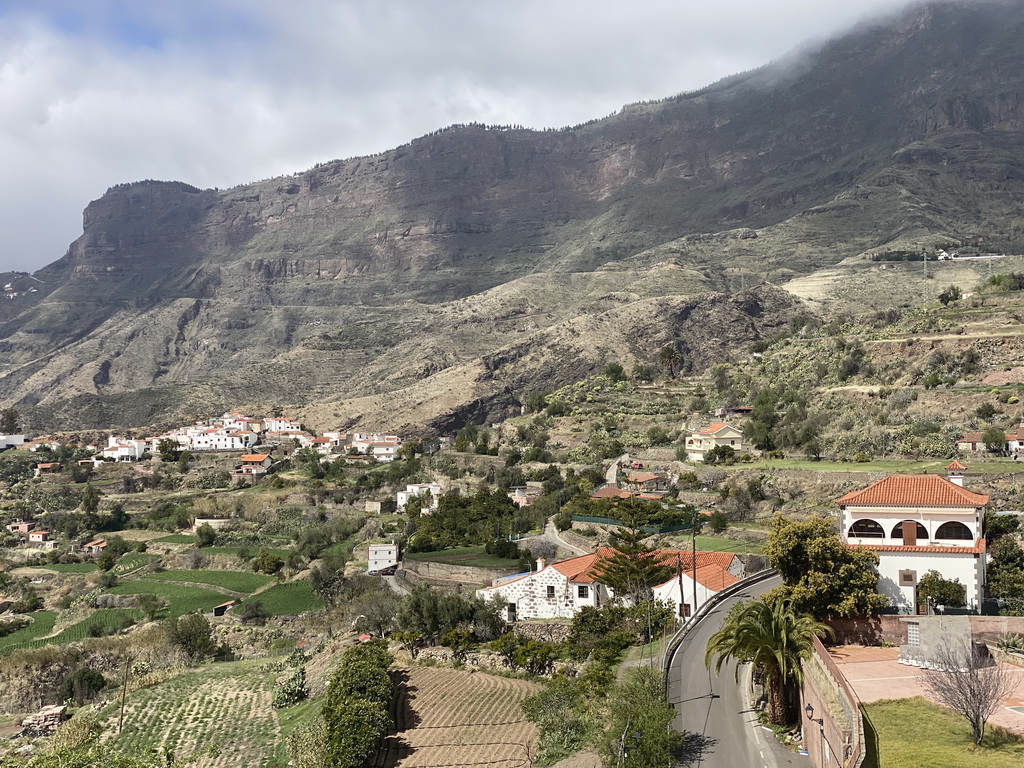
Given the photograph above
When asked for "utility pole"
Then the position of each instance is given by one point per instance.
(124, 691)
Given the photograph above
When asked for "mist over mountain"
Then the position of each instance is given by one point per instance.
(444, 279)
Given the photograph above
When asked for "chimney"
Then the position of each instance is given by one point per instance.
(956, 473)
(541, 562)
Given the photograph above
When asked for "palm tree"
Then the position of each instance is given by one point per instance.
(670, 358)
(771, 636)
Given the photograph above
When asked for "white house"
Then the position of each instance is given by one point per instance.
(918, 523)
(254, 464)
(419, 489)
(11, 441)
(561, 589)
(123, 450)
(281, 425)
(382, 556)
(699, 442)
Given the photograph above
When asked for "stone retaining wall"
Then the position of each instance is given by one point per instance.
(463, 574)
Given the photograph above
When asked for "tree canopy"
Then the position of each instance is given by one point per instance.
(820, 574)
(774, 636)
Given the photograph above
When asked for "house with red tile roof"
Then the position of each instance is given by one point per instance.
(561, 589)
(918, 523)
(700, 441)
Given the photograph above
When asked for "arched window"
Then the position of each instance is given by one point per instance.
(954, 530)
(897, 532)
(866, 529)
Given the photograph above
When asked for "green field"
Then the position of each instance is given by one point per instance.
(105, 620)
(289, 599)
(472, 556)
(236, 581)
(282, 553)
(68, 567)
(176, 538)
(225, 704)
(180, 598)
(42, 624)
(912, 733)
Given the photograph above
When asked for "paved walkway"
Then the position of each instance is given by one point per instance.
(875, 674)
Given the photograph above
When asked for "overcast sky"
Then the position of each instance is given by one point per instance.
(220, 92)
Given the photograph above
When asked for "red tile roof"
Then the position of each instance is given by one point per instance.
(956, 466)
(971, 437)
(610, 492)
(913, 491)
(641, 477)
(712, 428)
(585, 568)
(977, 549)
(256, 457)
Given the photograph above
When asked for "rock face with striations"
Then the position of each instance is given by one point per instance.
(339, 281)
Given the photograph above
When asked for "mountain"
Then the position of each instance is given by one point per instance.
(457, 272)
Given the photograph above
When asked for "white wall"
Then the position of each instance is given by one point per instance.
(968, 568)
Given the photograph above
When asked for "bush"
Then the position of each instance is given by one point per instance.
(291, 691)
(81, 686)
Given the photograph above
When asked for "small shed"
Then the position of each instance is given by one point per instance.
(220, 610)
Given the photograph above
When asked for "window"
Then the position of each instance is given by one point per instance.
(684, 610)
(897, 532)
(954, 530)
(551, 592)
(913, 633)
(583, 592)
(908, 578)
(866, 529)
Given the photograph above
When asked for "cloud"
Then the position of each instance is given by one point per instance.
(220, 93)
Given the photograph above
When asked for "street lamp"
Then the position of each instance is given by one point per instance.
(810, 716)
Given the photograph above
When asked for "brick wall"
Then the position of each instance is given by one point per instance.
(873, 630)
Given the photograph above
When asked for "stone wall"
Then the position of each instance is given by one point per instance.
(873, 630)
(834, 734)
(986, 629)
(548, 631)
(463, 574)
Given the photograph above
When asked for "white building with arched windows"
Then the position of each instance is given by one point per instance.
(916, 524)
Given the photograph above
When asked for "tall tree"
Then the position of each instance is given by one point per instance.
(773, 636)
(634, 568)
(820, 575)
(670, 359)
(9, 421)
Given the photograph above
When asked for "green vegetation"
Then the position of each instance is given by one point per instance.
(289, 599)
(180, 599)
(68, 567)
(42, 624)
(914, 732)
(472, 556)
(775, 637)
(236, 581)
(176, 538)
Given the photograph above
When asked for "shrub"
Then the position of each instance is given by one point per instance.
(81, 685)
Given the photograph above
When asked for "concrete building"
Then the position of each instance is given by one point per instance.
(918, 523)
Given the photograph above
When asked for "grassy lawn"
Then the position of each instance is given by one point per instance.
(714, 544)
(42, 624)
(934, 466)
(913, 733)
(67, 567)
(236, 581)
(474, 556)
(289, 599)
(180, 598)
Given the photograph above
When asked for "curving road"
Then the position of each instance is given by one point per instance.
(716, 707)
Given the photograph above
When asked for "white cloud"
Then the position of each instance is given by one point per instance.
(223, 93)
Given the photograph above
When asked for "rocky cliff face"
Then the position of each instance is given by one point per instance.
(369, 274)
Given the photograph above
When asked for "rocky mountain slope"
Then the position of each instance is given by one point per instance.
(474, 264)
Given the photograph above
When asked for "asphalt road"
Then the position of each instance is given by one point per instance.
(716, 708)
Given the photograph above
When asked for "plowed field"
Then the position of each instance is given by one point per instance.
(450, 717)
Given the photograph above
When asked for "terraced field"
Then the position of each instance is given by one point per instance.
(104, 621)
(42, 624)
(227, 705)
(289, 599)
(236, 581)
(453, 717)
(180, 598)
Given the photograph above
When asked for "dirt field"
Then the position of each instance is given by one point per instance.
(449, 717)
